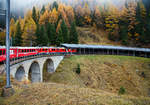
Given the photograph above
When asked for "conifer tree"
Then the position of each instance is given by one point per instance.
(38, 35)
(55, 5)
(140, 19)
(51, 33)
(59, 38)
(18, 34)
(147, 34)
(65, 33)
(13, 40)
(42, 10)
(44, 37)
(34, 16)
(73, 34)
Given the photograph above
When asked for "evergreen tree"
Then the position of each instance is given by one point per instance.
(44, 37)
(140, 19)
(18, 35)
(34, 16)
(38, 35)
(59, 39)
(42, 10)
(55, 5)
(124, 34)
(13, 39)
(73, 34)
(65, 33)
(51, 33)
(147, 34)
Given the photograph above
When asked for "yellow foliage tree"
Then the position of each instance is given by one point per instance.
(53, 16)
(112, 21)
(45, 17)
(70, 14)
(2, 38)
(29, 33)
(61, 10)
(12, 27)
(58, 26)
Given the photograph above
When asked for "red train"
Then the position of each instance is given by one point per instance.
(18, 52)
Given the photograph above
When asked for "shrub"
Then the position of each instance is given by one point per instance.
(78, 70)
(122, 90)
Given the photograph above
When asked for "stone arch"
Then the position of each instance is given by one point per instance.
(48, 68)
(20, 74)
(34, 72)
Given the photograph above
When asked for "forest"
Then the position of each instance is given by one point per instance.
(56, 23)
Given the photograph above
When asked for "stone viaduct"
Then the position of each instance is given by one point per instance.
(33, 68)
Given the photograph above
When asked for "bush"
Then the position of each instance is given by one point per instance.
(78, 69)
(122, 90)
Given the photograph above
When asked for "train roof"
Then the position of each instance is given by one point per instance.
(104, 47)
(30, 47)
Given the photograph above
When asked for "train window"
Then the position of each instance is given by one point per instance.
(0, 52)
(4, 52)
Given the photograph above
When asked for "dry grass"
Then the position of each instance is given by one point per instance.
(89, 35)
(59, 94)
(97, 84)
(107, 73)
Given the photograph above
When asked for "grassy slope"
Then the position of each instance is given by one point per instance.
(106, 73)
(59, 94)
(98, 83)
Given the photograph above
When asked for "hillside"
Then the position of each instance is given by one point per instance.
(59, 94)
(107, 73)
(90, 35)
(98, 83)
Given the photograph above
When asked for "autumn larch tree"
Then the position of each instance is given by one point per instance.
(2, 37)
(12, 30)
(18, 35)
(29, 37)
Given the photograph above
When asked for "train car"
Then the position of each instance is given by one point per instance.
(13, 53)
(19, 52)
(26, 51)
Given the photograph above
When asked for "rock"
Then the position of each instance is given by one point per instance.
(143, 75)
(7, 92)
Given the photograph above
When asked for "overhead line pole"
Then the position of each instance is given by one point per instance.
(7, 44)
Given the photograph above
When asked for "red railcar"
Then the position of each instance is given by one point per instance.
(18, 52)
